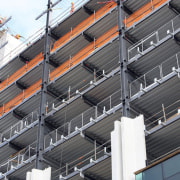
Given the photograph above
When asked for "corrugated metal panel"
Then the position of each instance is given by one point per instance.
(133, 5)
(78, 145)
(26, 138)
(103, 128)
(10, 68)
(6, 151)
(155, 57)
(70, 49)
(68, 113)
(151, 102)
(164, 140)
(103, 25)
(152, 23)
(9, 93)
(104, 90)
(7, 121)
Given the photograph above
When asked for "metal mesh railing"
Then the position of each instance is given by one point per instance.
(65, 38)
(112, 33)
(140, 48)
(82, 119)
(91, 156)
(83, 85)
(40, 33)
(166, 113)
(18, 127)
(19, 158)
(157, 73)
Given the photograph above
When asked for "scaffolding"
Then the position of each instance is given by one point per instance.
(105, 61)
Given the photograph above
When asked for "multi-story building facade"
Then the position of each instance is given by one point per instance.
(84, 89)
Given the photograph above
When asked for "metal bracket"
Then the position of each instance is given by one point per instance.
(80, 131)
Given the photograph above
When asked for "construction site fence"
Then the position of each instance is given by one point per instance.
(163, 115)
(171, 65)
(18, 127)
(141, 47)
(18, 159)
(98, 151)
(81, 120)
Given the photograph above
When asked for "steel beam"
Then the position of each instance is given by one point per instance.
(91, 68)
(88, 101)
(92, 137)
(177, 39)
(88, 10)
(21, 86)
(50, 126)
(54, 36)
(174, 8)
(52, 162)
(23, 59)
(14, 178)
(123, 61)
(127, 10)
(53, 63)
(17, 114)
(54, 93)
(91, 176)
(130, 38)
(14, 146)
(45, 76)
(88, 37)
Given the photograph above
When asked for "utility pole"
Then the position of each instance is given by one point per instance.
(45, 79)
(123, 61)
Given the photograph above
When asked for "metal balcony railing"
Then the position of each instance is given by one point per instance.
(72, 91)
(18, 127)
(164, 115)
(63, 131)
(61, 41)
(152, 40)
(156, 74)
(67, 65)
(81, 120)
(40, 33)
(18, 159)
(92, 156)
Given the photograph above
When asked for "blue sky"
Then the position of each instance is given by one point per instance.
(24, 12)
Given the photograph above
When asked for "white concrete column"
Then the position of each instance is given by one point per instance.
(116, 152)
(37, 174)
(128, 148)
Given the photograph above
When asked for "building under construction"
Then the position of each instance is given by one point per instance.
(107, 64)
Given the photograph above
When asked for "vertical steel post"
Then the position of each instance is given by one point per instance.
(123, 61)
(45, 76)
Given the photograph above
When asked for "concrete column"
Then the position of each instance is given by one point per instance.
(37, 174)
(128, 148)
